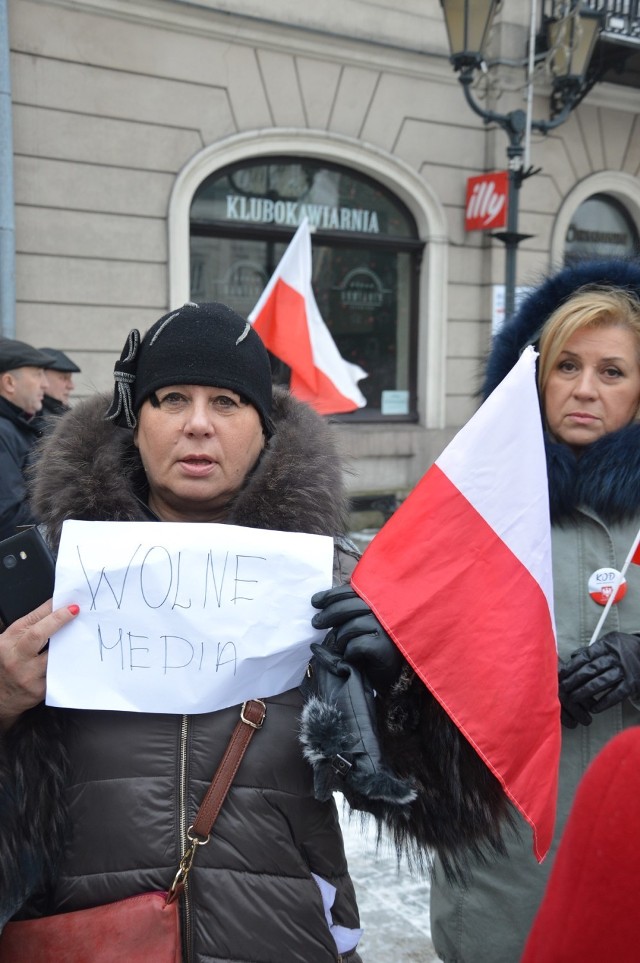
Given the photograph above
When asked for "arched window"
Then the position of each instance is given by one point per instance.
(366, 257)
(600, 227)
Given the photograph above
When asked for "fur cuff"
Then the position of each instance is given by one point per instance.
(440, 796)
(338, 766)
(461, 808)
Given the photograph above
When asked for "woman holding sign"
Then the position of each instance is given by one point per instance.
(194, 434)
(95, 806)
(585, 322)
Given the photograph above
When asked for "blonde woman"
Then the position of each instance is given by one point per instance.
(585, 321)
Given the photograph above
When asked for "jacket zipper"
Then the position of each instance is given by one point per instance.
(184, 825)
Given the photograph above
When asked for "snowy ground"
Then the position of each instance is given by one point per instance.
(394, 903)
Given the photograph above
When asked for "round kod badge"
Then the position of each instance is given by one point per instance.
(601, 584)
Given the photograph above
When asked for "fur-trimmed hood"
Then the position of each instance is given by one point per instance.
(92, 471)
(606, 477)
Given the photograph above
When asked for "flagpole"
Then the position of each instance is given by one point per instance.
(615, 587)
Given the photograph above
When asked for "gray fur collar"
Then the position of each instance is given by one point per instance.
(91, 470)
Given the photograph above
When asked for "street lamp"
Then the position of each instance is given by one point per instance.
(567, 40)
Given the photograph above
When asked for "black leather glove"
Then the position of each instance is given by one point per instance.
(601, 675)
(340, 735)
(572, 714)
(358, 636)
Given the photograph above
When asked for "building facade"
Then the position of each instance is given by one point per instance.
(166, 150)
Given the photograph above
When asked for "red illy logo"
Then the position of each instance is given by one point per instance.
(486, 206)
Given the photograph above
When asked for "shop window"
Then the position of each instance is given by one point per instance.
(601, 227)
(366, 259)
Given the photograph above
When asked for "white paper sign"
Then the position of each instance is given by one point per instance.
(182, 617)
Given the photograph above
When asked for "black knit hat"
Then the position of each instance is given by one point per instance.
(199, 344)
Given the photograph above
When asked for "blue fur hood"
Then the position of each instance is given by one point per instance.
(606, 478)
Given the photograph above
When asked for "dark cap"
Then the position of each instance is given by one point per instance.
(61, 361)
(198, 344)
(18, 354)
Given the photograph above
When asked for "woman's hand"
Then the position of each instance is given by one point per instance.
(601, 675)
(357, 635)
(23, 659)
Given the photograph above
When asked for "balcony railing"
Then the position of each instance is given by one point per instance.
(621, 17)
(622, 20)
(616, 58)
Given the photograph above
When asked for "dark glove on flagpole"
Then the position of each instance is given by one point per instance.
(601, 675)
(572, 714)
(358, 636)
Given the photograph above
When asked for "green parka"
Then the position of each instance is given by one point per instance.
(595, 512)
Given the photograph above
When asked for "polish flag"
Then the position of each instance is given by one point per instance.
(460, 577)
(288, 320)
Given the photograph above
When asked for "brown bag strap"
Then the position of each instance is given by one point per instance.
(251, 719)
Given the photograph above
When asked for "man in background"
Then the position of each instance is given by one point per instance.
(23, 382)
(60, 383)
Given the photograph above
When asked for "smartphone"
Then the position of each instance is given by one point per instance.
(27, 574)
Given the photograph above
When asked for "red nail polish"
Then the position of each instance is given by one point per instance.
(74, 609)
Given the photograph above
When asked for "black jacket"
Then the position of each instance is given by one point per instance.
(19, 436)
(52, 409)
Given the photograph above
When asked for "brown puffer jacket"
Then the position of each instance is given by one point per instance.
(134, 781)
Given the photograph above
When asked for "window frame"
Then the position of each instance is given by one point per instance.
(412, 246)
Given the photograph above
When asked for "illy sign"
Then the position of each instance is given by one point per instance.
(486, 207)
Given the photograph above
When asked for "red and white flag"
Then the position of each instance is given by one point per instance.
(460, 576)
(288, 320)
